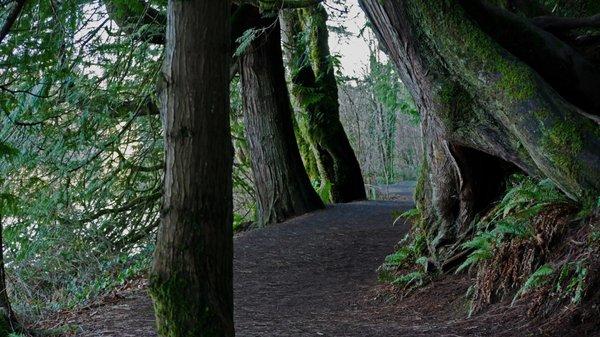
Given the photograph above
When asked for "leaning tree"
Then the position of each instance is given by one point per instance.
(314, 85)
(282, 184)
(498, 93)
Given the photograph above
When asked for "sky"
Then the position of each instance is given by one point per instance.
(353, 50)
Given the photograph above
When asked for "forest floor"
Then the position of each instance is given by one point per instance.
(315, 275)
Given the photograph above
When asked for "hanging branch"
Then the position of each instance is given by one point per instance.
(12, 17)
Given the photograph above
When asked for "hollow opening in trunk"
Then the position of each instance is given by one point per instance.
(482, 179)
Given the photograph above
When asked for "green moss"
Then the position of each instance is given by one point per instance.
(420, 196)
(515, 80)
(563, 142)
(541, 113)
(566, 136)
(456, 106)
(472, 53)
(180, 312)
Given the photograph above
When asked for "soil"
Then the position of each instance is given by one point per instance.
(315, 275)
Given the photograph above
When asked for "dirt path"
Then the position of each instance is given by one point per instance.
(315, 276)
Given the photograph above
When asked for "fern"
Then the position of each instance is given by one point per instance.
(511, 217)
(412, 214)
(245, 40)
(535, 280)
(415, 278)
(513, 226)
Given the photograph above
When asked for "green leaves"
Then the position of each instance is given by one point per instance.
(536, 279)
(511, 218)
(7, 151)
(245, 41)
(482, 245)
(9, 204)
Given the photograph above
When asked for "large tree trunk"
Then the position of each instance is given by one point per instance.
(283, 187)
(485, 113)
(315, 89)
(191, 280)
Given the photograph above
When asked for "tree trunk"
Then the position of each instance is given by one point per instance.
(485, 113)
(8, 320)
(191, 279)
(315, 89)
(282, 184)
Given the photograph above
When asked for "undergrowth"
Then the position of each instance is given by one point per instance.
(533, 243)
(408, 267)
(520, 247)
(511, 218)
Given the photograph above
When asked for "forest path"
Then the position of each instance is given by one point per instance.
(315, 275)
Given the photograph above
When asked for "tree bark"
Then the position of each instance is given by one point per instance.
(8, 319)
(315, 89)
(479, 103)
(191, 279)
(569, 73)
(282, 184)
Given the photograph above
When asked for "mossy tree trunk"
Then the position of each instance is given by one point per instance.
(283, 187)
(315, 89)
(487, 110)
(191, 279)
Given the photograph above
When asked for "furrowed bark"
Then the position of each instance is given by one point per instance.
(479, 101)
(191, 279)
(315, 89)
(282, 184)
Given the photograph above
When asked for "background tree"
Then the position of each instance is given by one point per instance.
(192, 276)
(315, 88)
(283, 187)
(382, 123)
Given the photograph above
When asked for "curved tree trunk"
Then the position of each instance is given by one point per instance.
(483, 110)
(283, 187)
(315, 89)
(191, 280)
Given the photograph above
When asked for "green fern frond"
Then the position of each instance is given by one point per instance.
(535, 280)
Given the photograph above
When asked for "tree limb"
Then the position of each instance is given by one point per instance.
(12, 17)
(561, 66)
(554, 23)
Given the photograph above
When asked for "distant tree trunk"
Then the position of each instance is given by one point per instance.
(486, 112)
(191, 279)
(315, 89)
(282, 184)
(8, 320)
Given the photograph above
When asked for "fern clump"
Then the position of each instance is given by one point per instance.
(408, 266)
(512, 217)
(519, 247)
